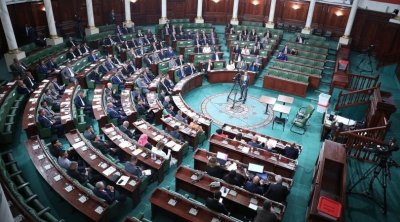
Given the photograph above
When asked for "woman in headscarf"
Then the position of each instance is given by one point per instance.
(143, 142)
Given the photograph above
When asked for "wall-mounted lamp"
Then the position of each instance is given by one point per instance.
(296, 7)
(216, 1)
(255, 2)
(338, 13)
(43, 9)
(133, 1)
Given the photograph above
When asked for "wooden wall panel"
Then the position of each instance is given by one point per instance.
(293, 12)
(256, 10)
(218, 12)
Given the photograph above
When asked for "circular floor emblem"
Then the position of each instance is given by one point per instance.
(249, 115)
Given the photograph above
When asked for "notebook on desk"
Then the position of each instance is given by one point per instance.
(255, 168)
(222, 158)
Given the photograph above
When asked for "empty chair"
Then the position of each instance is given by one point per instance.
(328, 34)
(318, 32)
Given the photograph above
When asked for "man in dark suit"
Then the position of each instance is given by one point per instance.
(70, 54)
(176, 134)
(264, 214)
(255, 185)
(190, 69)
(277, 191)
(107, 193)
(47, 123)
(215, 204)
(180, 73)
(92, 57)
(71, 42)
(291, 152)
(125, 129)
(169, 85)
(109, 41)
(132, 167)
(81, 103)
(244, 84)
(118, 80)
(114, 114)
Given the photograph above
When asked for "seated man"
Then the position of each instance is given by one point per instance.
(22, 88)
(180, 73)
(132, 167)
(114, 114)
(94, 76)
(179, 117)
(176, 134)
(107, 193)
(69, 74)
(51, 100)
(47, 123)
(117, 79)
(277, 191)
(141, 83)
(282, 56)
(291, 152)
(43, 69)
(63, 160)
(158, 150)
(264, 214)
(255, 185)
(81, 103)
(190, 69)
(254, 142)
(215, 204)
(125, 129)
(168, 84)
(89, 133)
(92, 58)
(50, 114)
(104, 146)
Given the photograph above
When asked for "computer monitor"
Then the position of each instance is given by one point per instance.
(255, 168)
(222, 158)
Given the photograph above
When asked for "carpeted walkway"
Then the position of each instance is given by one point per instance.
(357, 209)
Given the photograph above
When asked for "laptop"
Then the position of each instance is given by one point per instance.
(255, 168)
(222, 158)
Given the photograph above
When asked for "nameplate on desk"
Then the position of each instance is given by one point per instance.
(158, 137)
(193, 211)
(224, 142)
(57, 177)
(35, 147)
(158, 161)
(245, 149)
(79, 144)
(291, 164)
(47, 167)
(233, 193)
(92, 157)
(276, 210)
(83, 199)
(40, 156)
(172, 202)
(273, 158)
(108, 130)
(109, 171)
(103, 165)
(144, 154)
(143, 126)
(132, 183)
(99, 210)
(84, 148)
(176, 148)
(253, 206)
(69, 188)
(77, 139)
(123, 180)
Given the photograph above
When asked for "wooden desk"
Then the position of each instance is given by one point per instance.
(81, 76)
(66, 104)
(188, 134)
(236, 204)
(226, 76)
(153, 86)
(246, 154)
(129, 146)
(276, 144)
(31, 109)
(101, 164)
(128, 106)
(155, 105)
(281, 109)
(180, 211)
(326, 124)
(99, 109)
(329, 179)
(188, 112)
(178, 148)
(201, 157)
(285, 99)
(188, 83)
(267, 100)
(77, 196)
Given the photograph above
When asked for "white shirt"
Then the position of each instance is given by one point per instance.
(160, 153)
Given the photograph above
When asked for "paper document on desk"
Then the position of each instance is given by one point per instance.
(262, 139)
(143, 126)
(253, 206)
(109, 130)
(146, 172)
(272, 143)
(109, 171)
(176, 148)
(224, 191)
(125, 144)
(231, 167)
(79, 144)
(158, 137)
(122, 180)
(137, 152)
(245, 149)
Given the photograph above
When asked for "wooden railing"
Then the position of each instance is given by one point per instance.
(354, 98)
(359, 82)
(357, 146)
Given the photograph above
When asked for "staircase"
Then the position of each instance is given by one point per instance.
(355, 98)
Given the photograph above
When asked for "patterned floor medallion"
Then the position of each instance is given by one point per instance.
(250, 115)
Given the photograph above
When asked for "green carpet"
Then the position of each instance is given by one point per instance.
(357, 209)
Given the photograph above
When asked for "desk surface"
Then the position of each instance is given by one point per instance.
(285, 99)
(74, 194)
(282, 108)
(339, 119)
(161, 198)
(239, 199)
(267, 100)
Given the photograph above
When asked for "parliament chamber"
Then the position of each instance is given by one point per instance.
(199, 110)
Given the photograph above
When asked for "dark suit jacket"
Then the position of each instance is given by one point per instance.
(277, 192)
(265, 216)
(216, 171)
(77, 175)
(291, 152)
(78, 102)
(253, 188)
(44, 122)
(113, 114)
(214, 205)
(126, 131)
(107, 195)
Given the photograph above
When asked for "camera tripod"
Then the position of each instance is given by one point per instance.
(381, 173)
(233, 94)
